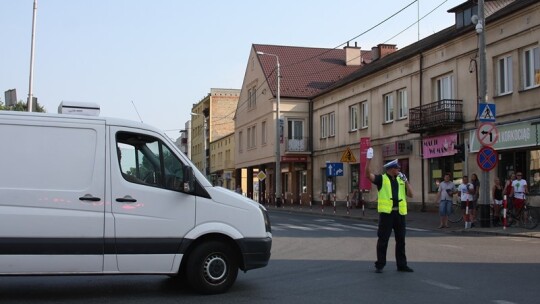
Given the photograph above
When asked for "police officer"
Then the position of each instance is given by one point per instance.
(393, 190)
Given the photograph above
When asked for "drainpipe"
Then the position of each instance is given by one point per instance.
(310, 145)
(422, 161)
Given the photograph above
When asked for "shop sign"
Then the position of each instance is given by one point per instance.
(400, 147)
(294, 158)
(439, 146)
(511, 136)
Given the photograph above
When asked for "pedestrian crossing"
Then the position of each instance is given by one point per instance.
(330, 225)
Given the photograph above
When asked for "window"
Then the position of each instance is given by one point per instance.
(364, 114)
(251, 137)
(504, 75)
(332, 124)
(252, 98)
(531, 67)
(440, 165)
(388, 108)
(444, 87)
(353, 118)
(463, 18)
(295, 129)
(295, 135)
(324, 126)
(403, 109)
(533, 179)
(148, 161)
(240, 135)
(263, 133)
(355, 178)
(249, 98)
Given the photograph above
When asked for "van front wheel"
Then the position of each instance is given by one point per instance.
(212, 268)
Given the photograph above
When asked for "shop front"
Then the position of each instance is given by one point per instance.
(442, 155)
(519, 151)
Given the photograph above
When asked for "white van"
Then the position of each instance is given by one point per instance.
(94, 195)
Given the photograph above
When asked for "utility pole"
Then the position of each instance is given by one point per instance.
(482, 99)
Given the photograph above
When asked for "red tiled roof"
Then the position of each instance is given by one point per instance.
(305, 71)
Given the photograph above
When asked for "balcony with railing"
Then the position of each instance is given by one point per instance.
(296, 144)
(442, 114)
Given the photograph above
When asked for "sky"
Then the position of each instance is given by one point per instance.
(151, 60)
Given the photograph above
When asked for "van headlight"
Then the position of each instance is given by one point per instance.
(267, 224)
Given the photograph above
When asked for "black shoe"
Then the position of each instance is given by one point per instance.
(378, 270)
(405, 269)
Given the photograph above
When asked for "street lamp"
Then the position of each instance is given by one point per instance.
(32, 47)
(278, 151)
(204, 141)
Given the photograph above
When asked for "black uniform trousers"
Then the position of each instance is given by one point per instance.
(387, 223)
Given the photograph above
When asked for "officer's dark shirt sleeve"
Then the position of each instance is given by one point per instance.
(378, 181)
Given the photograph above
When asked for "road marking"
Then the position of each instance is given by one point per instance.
(441, 285)
(324, 220)
(295, 227)
(372, 227)
(319, 227)
(452, 246)
(503, 302)
(352, 227)
(417, 229)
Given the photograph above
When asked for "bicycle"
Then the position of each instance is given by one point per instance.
(526, 218)
(456, 214)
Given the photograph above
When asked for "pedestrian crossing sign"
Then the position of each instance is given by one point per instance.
(486, 112)
(348, 156)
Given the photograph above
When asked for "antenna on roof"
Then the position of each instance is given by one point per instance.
(136, 110)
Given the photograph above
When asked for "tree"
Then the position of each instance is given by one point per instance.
(21, 106)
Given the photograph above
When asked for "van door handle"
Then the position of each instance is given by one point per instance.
(126, 199)
(89, 197)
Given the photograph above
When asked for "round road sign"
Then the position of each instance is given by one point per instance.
(487, 158)
(487, 134)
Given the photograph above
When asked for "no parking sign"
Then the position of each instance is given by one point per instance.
(487, 158)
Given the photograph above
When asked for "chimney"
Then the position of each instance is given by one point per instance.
(353, 55)
(386, 49)
(375, 53)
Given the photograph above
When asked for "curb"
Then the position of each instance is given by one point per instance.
(510, 232)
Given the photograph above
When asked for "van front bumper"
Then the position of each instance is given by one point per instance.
(255, 252)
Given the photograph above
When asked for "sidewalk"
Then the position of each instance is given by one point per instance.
(417, 219)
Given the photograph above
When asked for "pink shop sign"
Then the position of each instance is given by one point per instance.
(439, 146)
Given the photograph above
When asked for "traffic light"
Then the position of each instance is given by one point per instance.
(460, 152)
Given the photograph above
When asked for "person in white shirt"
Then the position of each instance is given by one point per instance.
(519, 190)
(466, 191)
(445, 195)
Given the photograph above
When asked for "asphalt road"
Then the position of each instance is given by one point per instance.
(319, 259)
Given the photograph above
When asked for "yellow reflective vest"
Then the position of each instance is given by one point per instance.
(385, 196)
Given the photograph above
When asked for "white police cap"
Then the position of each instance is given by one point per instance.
(392, 164)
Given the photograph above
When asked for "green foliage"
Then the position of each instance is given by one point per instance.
(21, 106)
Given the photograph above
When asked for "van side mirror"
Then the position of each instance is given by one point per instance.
(189, 180)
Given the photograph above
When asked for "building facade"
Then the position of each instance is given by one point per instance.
(222, 161)
(257, 125)
(212, 119)
(420, 105)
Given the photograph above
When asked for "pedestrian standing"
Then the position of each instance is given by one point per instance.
(497, 193)
(519, 191)
(508, 191)
(466, 191)
(476, 195)
(445, 194)
(329, 189)
(393, 190)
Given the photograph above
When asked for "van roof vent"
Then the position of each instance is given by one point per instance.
(78, 108)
